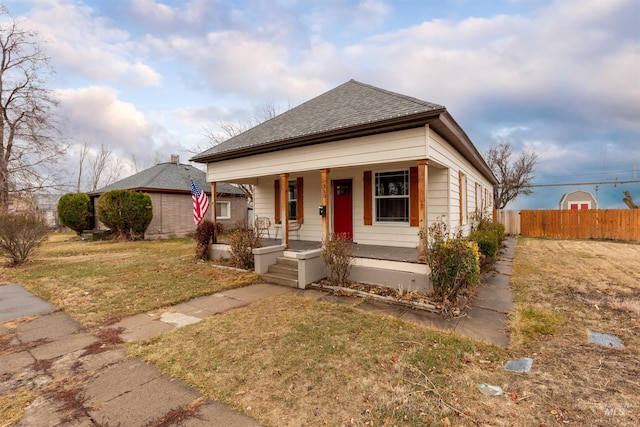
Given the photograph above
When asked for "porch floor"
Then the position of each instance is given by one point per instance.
(388, 253)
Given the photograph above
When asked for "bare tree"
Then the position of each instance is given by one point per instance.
(28, 143)
(628, 200)
(82, 157)
(99, 165)
(514, 173)
(224, 130)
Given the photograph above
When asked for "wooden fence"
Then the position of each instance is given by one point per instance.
(510, 220)
(615, 224)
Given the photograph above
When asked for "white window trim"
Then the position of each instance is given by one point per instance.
(374, 198)
(228, 210)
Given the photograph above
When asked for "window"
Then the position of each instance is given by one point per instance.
(293, 201)
(392, 196)
(223, 210)
(295, 208)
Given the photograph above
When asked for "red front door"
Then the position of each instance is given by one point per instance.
(343, 208)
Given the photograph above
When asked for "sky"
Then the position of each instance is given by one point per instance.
(150, 78)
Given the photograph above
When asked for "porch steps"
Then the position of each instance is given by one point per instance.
(284, 272)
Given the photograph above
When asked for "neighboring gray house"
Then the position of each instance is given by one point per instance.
(169, 186)
(578, 200)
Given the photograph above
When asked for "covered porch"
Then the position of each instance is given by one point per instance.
(374, 252)
(301, 264)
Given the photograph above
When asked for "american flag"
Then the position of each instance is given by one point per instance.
(200, 203)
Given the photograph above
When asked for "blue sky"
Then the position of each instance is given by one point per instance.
(557, 77)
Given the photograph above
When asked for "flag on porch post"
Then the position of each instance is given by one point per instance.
(200, 203)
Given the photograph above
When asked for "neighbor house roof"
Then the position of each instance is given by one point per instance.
(350, 110)
(168, 177)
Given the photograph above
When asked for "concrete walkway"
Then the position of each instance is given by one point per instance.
(89, 388)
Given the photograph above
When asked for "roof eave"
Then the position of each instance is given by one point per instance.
(457, 137)
(362, 129)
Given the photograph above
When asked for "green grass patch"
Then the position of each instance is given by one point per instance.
(534, 322)
(311, 363)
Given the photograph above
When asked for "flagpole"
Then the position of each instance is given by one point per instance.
(214, 205)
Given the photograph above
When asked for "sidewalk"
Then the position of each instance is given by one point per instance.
(107, 388)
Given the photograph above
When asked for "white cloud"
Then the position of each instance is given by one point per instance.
(89, 45)
(96, 111)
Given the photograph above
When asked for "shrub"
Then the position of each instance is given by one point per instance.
(20, 234)
(204, 235)
(483, 222)
(74, 211)
(242, 241)
(487, 242)
(337, 254)
(218, 230)
(454, 263)
(128, 213)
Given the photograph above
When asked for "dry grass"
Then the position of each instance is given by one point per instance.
(292, 361)
(578, 286)
(12, 406)
(289, 361)
(100, 281)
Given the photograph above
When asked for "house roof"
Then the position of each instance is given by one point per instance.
(350, 110)
(585, 193)
(168, 177)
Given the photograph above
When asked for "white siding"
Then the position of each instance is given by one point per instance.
(437, 194)
(349, 159)
(443, 153)
(382, 148)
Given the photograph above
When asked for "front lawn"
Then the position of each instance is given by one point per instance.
(291, 361)
(98, 282)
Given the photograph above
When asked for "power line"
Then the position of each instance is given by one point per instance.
(586, 183)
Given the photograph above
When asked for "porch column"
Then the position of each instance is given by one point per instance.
(324, 193)
(284, 208)
(422, 207)
(213, 209)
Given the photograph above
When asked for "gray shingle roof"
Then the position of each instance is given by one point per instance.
(348, 105)
(170, 177)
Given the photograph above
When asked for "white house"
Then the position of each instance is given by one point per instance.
(360, 161)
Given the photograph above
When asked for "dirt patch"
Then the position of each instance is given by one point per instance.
(108, 338)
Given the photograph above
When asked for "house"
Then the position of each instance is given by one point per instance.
(578, 200)
(169, 186)
(375, 166)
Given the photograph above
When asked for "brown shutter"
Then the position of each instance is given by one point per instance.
(413, 197)
(300, 207)
(477, 206)
(276, 199)
(368, 195)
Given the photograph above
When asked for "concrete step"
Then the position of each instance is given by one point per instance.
(280, 279)
(288, 261)
(284, 269)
